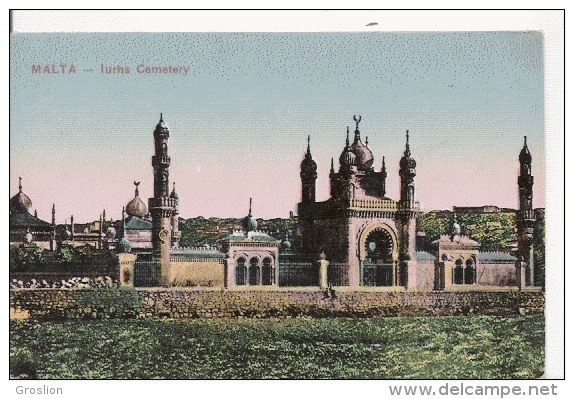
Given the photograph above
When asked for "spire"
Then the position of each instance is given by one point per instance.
(367, 141)
(357, 133)
(35, 213)
(332, 165)
(384, 167)
(161, 116)
(407, 148)
(347, 136)
(308, 154)
(20, 184)
(137, 183)
(250, 202)
(525, 146)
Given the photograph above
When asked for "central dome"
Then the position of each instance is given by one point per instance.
(363, 156)
(356, 154)
(136, 207)
(20, 203)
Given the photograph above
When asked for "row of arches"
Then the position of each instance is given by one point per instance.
(256, 273)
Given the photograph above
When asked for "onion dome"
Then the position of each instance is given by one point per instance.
(111, 233)
(525, 156)
(136, 207)
(124, 245)
(249, 223)
(308, 166)
(174, 194)
(407, 161)
(161, 124)
(20, 203)
(345, 158)
(363, 156)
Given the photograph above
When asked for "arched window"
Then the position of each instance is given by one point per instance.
(458, 277)
(240, 272)
(469, 272)
(254, 271)
(267, 272)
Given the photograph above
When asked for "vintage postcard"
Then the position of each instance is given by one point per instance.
(363, 203)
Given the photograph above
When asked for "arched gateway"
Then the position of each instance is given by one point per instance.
(378, 255)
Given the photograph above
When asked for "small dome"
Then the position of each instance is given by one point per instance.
(111, 233)
(20, 203)
(347, 158)
(174, 193)
(286, 244)
(161, 124)
(136, 207)
(407, 161)
(525, 156)
(249, 223)
(124, 245)
(308, 165)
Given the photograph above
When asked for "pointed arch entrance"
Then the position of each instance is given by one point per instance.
(378, 256)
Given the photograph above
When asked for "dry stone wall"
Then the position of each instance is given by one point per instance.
(58, 304)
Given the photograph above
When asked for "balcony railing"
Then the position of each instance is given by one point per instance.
(382, 204)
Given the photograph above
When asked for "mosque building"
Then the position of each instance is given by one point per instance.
(359, 236)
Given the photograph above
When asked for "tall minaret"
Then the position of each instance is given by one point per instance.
(308, 176)
(161, 206)
(175, 234)
(407, 172)
(525, 219)
(406, 219)
(53, 235)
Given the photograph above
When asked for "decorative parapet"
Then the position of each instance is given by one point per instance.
(162, 202)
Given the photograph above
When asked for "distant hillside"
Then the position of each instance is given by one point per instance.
(199, 231)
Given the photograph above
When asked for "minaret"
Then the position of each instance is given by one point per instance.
(383, 179)
(308, 176)
(53, 236)
(175, 234)
(407, 172)
(161, 206)
(72, 227)
(525, 219)
(406, 216)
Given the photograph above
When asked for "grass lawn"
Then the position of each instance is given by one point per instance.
(401, 347)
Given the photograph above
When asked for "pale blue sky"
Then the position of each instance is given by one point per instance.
(240, 119)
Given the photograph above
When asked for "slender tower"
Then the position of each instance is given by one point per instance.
(306, 207)
(53, 235)
(308, 175)
(175, 234)
(406, 217)
(161, 206)
(525, 219)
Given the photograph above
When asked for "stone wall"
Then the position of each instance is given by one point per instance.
(55, 304)
(500, 274)
(203, 272)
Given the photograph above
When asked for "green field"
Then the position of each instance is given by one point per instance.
(402, 347)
